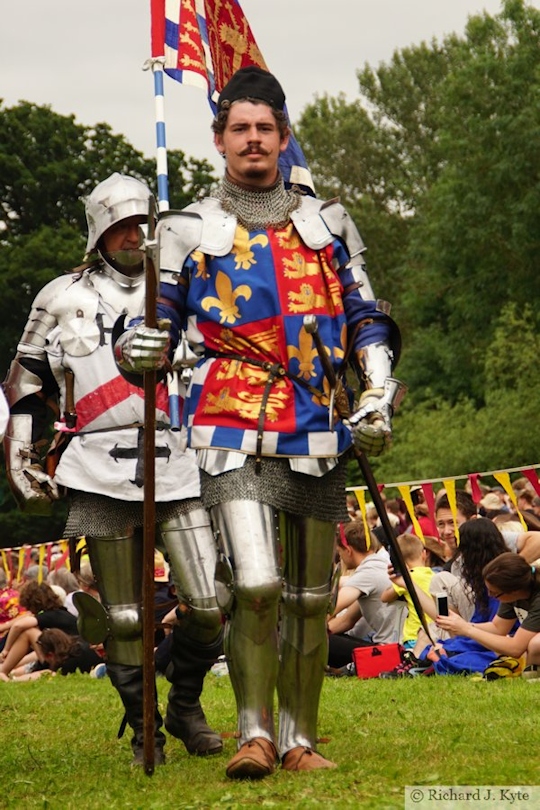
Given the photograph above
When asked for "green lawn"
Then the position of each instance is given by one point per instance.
(59, 746)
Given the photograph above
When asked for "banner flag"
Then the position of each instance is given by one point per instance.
(203, 43)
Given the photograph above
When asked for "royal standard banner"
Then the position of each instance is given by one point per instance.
(203, 43)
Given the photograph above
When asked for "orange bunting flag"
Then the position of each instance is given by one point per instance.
(504, 480)
(405, 492)
(450, 488)
(361, 498)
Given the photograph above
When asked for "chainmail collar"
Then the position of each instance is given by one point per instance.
(257, 209)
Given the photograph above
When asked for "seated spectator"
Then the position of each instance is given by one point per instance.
(491, 506)
(44, 611)
(421, 513)
(9, 607)
(353, 508)
(438, 553)
(446, 526)
(359, 596)
(59, 652)
(36, 572)
(396, 507)
(86, 583)
(63, 578)
(415, 557)
(516, 585)
(510, 527)
(480, 543)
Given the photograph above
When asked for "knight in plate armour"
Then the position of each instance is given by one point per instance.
(272, 289)
(65, 355)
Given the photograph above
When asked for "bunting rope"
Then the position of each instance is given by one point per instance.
(449, 485)
(16, 559)
(490, 474)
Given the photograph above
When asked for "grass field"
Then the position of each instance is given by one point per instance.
(59, 747)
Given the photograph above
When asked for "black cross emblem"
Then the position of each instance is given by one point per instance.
(138, 452)
(103, 330)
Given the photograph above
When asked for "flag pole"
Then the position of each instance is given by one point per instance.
(156, 64)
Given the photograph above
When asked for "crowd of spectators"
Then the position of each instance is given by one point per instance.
(39, 629)
(452, 560)
(39, 633)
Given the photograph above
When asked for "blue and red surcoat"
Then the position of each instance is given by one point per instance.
(245, 309)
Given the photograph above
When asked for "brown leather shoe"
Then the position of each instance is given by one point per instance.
(305, 759)
(254, 760)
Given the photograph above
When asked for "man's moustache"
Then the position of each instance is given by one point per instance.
(252, 151)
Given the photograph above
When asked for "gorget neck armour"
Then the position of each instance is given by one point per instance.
(258, 209)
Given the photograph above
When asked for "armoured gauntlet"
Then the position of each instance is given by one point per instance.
(141, 348)
(371, 423)
(33, 489)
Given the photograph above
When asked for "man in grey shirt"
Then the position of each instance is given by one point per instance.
(359, 598)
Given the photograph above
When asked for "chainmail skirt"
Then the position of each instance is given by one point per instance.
(277, 485)
(100, 516)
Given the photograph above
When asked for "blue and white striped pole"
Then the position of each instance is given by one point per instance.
(156, 63)
(161, 142)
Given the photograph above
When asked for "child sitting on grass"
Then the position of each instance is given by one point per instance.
(415, 557)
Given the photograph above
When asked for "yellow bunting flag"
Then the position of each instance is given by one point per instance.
(405, 492)
(504, 480)
(42, 549)
(450, 488)
(361, 498)
(20, 568)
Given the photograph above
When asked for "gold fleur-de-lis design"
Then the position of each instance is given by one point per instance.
(304, 353)
(226, 299)
(199, 257)
(244, 256)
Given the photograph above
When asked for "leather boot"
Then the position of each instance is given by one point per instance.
(185, 718)
(254, 759)
(128, 682)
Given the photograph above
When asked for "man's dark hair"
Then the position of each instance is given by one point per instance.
(220, 121)
(464, 503)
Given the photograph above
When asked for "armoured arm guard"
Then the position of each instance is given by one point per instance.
(33, 489)
(28, 385)
(375, 340)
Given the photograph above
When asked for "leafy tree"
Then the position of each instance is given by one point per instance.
(438, 161)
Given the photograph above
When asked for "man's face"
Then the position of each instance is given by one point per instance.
(251, 144)
(123, 235)
(345, 555)
(445, 526)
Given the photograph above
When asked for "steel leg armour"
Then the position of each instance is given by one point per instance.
(191, 548)
(197, 639)
(117, 565)
(308, 552)
(247, 535)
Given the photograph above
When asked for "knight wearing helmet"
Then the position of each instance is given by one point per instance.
(65, 356)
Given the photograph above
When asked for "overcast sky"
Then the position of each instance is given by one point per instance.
(87, 58)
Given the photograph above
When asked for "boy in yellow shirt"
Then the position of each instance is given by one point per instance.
(415, 556)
